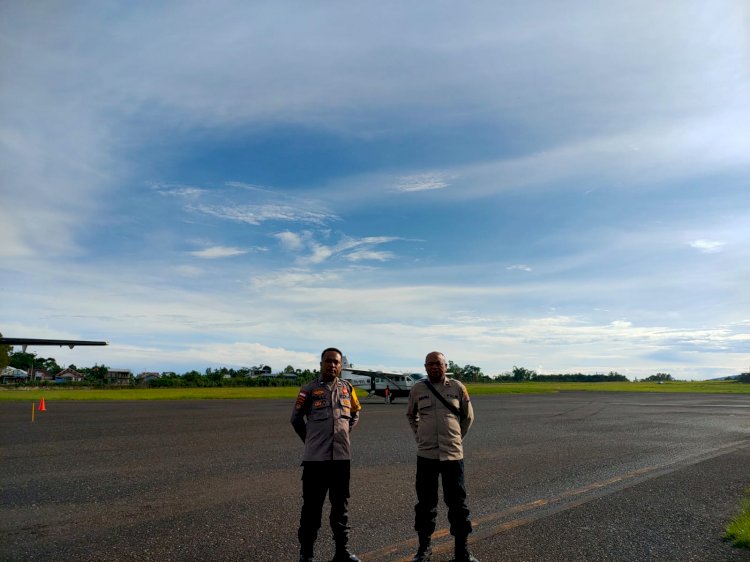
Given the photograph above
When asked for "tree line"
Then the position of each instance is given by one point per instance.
(522, 374)
(225, 376)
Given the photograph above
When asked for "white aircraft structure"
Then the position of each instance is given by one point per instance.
(375, 383)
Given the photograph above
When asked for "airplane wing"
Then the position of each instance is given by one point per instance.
(24, 342)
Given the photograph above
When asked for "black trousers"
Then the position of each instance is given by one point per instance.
(454, 494)
(318, 480)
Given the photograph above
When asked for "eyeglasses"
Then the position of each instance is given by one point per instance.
(434, 364)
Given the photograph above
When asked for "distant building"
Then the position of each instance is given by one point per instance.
(146, 377)
(262, 371)
(69, 375)
(40, 375)
(120, 377)
(11, 375)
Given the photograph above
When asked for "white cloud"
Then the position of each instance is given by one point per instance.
(249, 186)
(180, 191)
(189, 271)
(362, 255)
(518, 267)
(473, 324)
(365, 241)
(258, 214)
(11, 233)
(242, 354)
(422, 182)
(216, 252)
(295, 278)
(313, 252)
(672, 150)
(707, 246)
(319, 254)
(290, 240)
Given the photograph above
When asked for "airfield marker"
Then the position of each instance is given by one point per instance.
(42, 407)
(32, 412)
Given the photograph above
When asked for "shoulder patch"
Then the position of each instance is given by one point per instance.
(301, 397)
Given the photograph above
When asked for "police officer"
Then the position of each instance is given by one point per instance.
(439, 427)
(324, 414)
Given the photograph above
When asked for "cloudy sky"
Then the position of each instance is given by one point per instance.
(208, 184)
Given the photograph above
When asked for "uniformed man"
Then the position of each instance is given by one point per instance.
(439, 426)
(324, 415)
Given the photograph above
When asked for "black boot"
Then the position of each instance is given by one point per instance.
(424, 552)
(462, 551)
(343, 554)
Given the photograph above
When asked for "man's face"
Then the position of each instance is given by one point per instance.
(435, 366)
(330, 366)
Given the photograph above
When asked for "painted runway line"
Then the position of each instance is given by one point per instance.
(522, 514)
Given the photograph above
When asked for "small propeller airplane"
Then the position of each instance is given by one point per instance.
(375, 383)
(25, 342)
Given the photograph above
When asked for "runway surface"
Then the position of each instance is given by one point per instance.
(558, 477)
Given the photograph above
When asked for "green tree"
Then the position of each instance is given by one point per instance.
(25, 361)
(467, 373)
(193, 378)
(521, 374)
(744, 377)
(97, 373)
(659, 377)
(50, 365)
(22, 360)
(4, 355)
(307, 375)
(472, 373)
(214, 375)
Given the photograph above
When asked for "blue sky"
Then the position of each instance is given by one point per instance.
(236, 183)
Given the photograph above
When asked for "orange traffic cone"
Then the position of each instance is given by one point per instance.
(42, 408)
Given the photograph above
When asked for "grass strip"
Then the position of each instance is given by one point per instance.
(706, 387)
(283, 392)
(738, 531)
(205, 393)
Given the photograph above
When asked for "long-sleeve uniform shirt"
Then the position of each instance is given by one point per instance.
(440, 432)
(323, 416)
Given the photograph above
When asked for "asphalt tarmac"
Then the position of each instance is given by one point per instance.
(558, 477)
